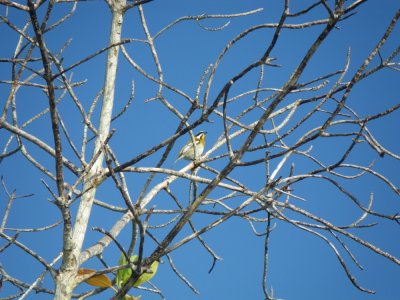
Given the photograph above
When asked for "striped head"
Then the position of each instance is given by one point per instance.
(201, 136)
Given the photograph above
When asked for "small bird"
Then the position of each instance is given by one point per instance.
(188, 151)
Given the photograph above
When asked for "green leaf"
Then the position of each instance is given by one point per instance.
(124, 274)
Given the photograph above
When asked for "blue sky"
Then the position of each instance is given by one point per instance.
(301, 266)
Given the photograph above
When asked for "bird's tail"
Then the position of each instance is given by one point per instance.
(179, 157)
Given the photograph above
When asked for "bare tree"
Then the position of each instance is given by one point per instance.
(262, 129)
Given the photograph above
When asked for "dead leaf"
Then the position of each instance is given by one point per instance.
(98, 280)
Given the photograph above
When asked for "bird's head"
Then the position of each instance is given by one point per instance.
(201, 135)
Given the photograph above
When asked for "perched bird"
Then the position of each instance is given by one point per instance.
(188, 151)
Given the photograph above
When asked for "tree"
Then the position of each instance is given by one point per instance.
(283, 127)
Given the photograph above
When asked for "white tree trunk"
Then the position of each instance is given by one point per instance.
(66, 282)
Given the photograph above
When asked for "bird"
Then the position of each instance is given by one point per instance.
(188, 152)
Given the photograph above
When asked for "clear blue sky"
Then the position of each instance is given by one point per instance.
(301, 266)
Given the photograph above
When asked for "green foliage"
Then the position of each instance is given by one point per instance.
(124, 274)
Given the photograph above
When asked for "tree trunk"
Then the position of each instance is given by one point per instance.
(65, 282)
